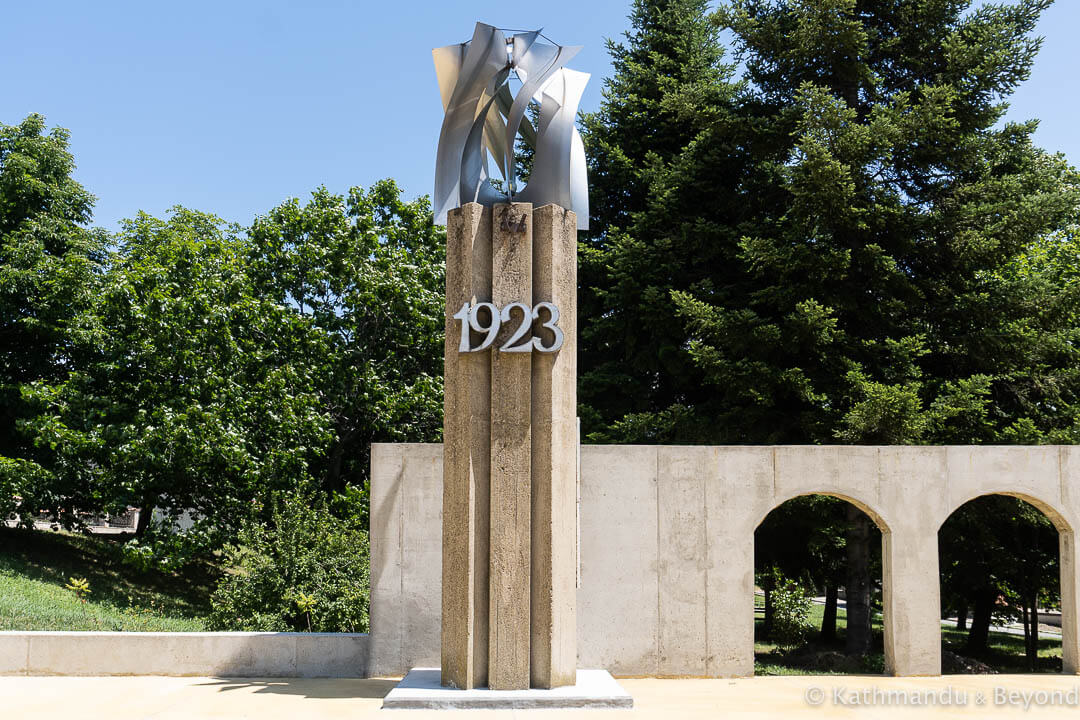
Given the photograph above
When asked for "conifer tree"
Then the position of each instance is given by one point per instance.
(892, 203)
(846, 244)
(670, 89)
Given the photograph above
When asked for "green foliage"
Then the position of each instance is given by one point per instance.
(998, 545)
(843, 244)
(366, 273)
(304, 569)
(225, 366)
(79, 587)
(50, 273)
(1005, 652)
(805, 537)
(791, 612)
(193, 399)
(166, 547)
(665, 108)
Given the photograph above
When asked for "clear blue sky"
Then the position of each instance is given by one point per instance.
(230, 107)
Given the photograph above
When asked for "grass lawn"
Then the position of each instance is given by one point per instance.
(35, 566)
(1005, 655)
(815, 658)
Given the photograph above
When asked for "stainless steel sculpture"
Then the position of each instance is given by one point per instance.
(483, 117)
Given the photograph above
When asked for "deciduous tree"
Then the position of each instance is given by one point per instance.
(51, 265)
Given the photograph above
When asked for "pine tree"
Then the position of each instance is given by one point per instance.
(670, 93)
(826, 251)
(847, 244)
(891, 205)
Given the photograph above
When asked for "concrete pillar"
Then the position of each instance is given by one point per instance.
(511, 456)
(510, 449)
(739, 492)
(1070, 595)
(466, 458)
(912, 601)
(553, 637)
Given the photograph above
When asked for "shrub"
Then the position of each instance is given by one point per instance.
(302, 570)
(791, 613)
(163, 546)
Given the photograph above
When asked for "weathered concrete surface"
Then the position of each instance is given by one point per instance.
(511, 458)
(553, 637)
(684, 555)
(763, 698)
(1069, 464)
(14, 653)
(421, 690)
(739, 485)
(509, 543)
(403, 517)
(623, 555)
(667, 545)
(236, 654)
(467, 439)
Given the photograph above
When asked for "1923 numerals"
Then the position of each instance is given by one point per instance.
(520, 340)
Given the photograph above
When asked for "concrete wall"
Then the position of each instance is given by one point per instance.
(228, 654)
(667, 556)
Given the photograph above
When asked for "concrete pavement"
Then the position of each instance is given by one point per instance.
(169, 698)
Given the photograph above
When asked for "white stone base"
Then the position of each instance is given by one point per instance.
(421, 689)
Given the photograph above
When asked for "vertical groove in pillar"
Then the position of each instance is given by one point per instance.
(466, 457)
(554, 453)
(1070, 587)
(511, 439)
(480, 449)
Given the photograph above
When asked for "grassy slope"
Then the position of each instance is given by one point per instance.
(35, 566)
(1006, 653)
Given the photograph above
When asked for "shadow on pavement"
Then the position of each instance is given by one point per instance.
(310, 687)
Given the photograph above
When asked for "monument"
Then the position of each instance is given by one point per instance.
(509, 530)
(666, 532)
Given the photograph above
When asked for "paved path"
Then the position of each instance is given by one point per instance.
(158, 698)
(1045, 631)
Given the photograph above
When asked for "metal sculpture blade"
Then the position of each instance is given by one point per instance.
(484, 117)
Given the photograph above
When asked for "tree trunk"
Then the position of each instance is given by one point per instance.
(1027, 633)
(767, 625)
(1033, 636)
(961, 617)
(334, 481)
(858, 582)
(828, 618)
(979, 634)
(146, 512)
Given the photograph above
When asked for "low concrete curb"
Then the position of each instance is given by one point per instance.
(229, 654)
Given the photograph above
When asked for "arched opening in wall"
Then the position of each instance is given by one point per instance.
(818, 589)
(1000, 588)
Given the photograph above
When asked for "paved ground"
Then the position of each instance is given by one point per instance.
(94, 529)
(1045, 631)
(161, 698)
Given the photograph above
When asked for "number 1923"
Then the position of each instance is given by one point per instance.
(520, 340)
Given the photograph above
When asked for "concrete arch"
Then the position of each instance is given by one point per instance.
(1053, 514)
(888, 618)
(863, 505)
(1067, 578)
